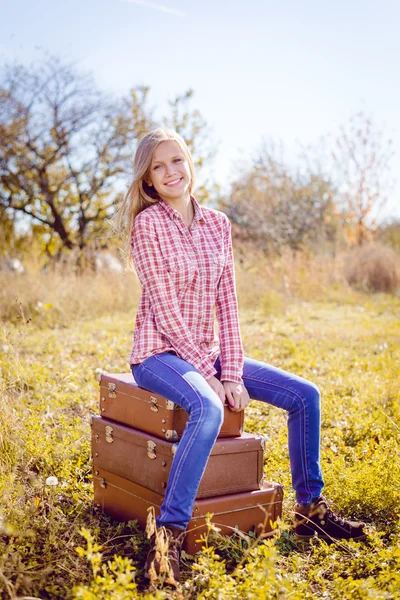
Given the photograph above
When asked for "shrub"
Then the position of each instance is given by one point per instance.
(373, 267)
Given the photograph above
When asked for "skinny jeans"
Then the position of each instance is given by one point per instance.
(177, 380)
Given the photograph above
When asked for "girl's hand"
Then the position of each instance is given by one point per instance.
(218, 388)
(237, 395)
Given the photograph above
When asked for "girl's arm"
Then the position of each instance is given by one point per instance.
(227, 312)
(155, 279)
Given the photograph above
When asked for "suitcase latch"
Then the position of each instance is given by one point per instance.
(171, 435)
(102, 482)
(169, 405)
(174, 449)
(111, 389)
(153, 405)
(151, 449)
(109, 432)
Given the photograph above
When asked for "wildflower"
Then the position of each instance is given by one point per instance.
(52, 481)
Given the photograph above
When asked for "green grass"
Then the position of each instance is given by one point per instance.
(348, 346)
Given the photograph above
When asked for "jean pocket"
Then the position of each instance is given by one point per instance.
(136, 370)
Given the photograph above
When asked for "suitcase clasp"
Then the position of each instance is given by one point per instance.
(111, 389)
(153, 405)
(151, 449)
(169, 405)
(172, 435)
(102, 482)
(109, 432)
(174, 449)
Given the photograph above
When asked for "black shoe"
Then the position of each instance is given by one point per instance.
(318, 519)
(165, 554)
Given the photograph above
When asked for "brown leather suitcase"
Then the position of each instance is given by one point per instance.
(124, 500)
(235, 464)
(122, 400)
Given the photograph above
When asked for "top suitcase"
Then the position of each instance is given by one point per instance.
(123, 401)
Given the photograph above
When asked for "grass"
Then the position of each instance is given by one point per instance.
(53, 544)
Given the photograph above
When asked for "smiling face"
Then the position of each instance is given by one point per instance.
(169, 171)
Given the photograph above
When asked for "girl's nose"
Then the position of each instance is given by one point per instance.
(171, 168)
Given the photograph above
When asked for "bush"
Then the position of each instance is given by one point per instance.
(373, 268)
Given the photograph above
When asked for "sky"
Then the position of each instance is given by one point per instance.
(287, 71)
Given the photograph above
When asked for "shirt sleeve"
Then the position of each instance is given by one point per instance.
(155, 279)
(231, 349)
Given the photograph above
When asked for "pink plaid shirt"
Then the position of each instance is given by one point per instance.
(184, 273)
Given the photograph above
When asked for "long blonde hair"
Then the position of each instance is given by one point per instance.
(140, 195)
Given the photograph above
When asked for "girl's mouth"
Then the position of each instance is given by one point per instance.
(174, 183)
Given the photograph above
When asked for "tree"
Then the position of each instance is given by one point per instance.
(361, 157)
(66, 150)
(273, 206)
(388, 233)
(63, 144)
(7, 233)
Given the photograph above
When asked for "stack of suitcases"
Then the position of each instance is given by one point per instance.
(133, 445)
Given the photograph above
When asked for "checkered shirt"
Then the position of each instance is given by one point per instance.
(185, 273)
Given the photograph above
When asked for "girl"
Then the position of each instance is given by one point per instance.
(183, 256)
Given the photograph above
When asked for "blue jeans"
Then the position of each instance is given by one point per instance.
(174, 378)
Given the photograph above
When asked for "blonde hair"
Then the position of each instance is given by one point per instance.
(140, 195)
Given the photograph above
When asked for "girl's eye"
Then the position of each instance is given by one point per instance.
(175, 160)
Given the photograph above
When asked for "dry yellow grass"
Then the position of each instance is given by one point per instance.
(297, 313)
(270, 283)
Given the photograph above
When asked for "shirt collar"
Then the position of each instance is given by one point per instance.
(199, 213)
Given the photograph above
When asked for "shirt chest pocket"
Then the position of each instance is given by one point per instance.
(217, 267)
(181, 271)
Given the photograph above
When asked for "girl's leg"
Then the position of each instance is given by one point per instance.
(301, 399)
(170, 376)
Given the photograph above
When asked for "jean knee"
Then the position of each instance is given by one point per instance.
(307, 398)
(210, 416)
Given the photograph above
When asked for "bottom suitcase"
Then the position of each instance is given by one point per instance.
(124, 500)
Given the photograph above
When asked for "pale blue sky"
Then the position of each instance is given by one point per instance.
(290, 70)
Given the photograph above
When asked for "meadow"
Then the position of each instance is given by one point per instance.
(60, 331)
